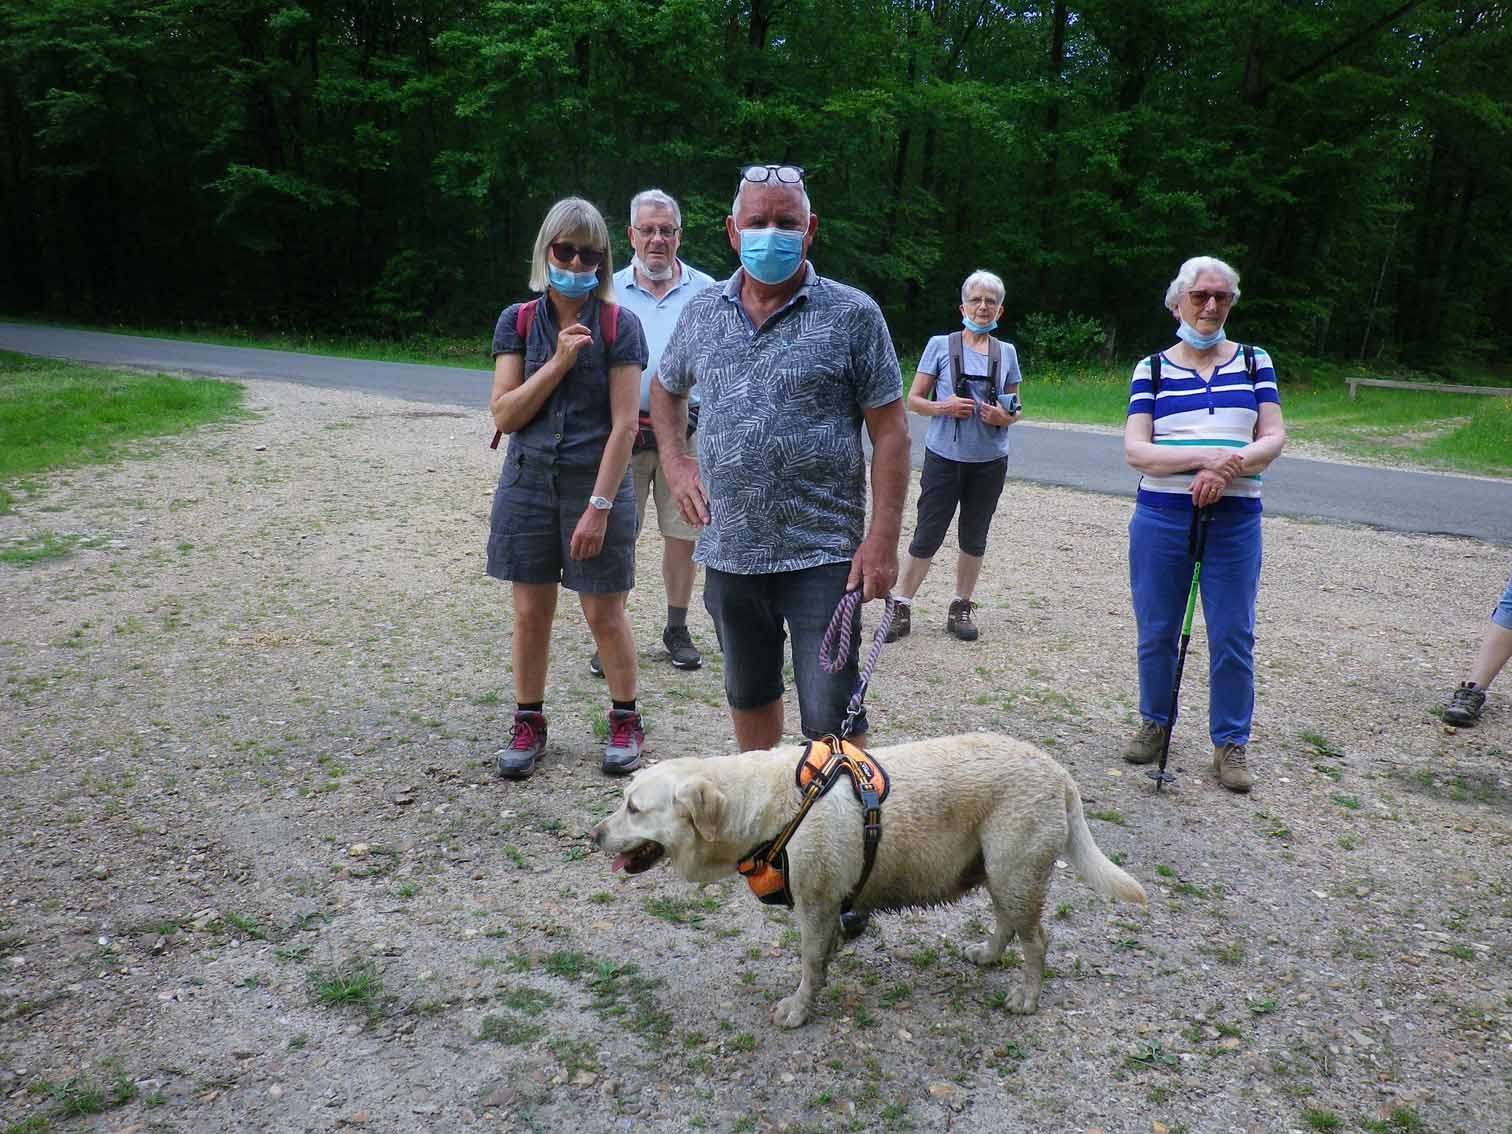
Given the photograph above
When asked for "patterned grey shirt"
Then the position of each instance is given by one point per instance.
(779, 439)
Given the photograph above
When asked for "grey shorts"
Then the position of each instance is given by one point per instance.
(535, 511)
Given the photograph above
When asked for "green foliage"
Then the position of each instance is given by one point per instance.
(310, 170)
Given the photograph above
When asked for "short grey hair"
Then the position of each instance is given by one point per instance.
(658, 198)
(1193, 268)
(798, 185)
(575, 218)
(985, 279)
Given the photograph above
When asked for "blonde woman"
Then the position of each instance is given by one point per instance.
(566, 387)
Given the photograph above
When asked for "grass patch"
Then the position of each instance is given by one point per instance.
(681, 911)
(40, 546)
(56, 414)
(351, 982)
(509, 1030)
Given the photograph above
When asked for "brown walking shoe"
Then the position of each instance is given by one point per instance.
(902, 623)
(1146, 745)
(1232, 765)
(958, 622)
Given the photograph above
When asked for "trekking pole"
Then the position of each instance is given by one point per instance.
(1196, 545)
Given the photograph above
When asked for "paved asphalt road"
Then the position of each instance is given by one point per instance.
(1385, 498)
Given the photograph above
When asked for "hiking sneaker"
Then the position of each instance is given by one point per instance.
(1232, 766)
(680, 645)
(596, 665)
(902, 622)
(1146, 745)
(1465, 706)
(622, 755)
(527, 744)
(958, 622)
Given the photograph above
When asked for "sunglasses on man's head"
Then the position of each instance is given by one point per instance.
(565, 251)
(761, 174)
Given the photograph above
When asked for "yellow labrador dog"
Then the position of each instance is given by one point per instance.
(963, 811)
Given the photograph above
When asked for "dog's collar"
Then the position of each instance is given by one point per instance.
(765, 868)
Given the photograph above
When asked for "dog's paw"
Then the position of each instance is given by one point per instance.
(1020, 1003)
(982, 953)
(790, 1012)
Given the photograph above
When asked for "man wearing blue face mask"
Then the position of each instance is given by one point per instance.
(790, 366)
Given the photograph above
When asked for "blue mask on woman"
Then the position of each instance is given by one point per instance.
(978, 328)
(573, 285)
(1190, 335)
(771, 255)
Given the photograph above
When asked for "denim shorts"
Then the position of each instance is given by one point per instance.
(944, 485)
(1502, 615)
(749, 613)
(536, 508)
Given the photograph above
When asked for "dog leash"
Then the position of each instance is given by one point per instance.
(835, 647)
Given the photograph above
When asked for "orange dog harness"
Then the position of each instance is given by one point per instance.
(823, 762)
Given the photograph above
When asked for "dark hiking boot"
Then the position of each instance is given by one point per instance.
(902, 622)
(622, 755)
(1465, 706)
(1231, 762)
(527, 743)
(853, 923)
(596, 665)
(958, 622)
(680, 646)
(1146, 745)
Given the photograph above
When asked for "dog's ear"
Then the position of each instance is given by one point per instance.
(703, 805)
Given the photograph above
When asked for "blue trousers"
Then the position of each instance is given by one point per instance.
(1160, 576)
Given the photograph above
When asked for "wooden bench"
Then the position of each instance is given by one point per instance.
(1433, 387)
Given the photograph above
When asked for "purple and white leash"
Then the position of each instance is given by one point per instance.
(834, 649)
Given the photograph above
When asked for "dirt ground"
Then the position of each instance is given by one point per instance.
(258, 873)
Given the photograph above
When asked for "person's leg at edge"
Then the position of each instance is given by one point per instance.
(1496, 644)
(915, 571)
(534, 611)
(758, 728)
(1160, 575)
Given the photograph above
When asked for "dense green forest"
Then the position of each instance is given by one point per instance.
(375, 167)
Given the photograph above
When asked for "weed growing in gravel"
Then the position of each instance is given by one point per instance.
(33, 1124)
(1151, 1056)
(1321, 745)
(1321, 1120)
(246, 925)
(567, 965)
(681, 911)
(1109, 816)
(42, 546)
(508, 1030)
(349, 982)
(514, 855)
(526, 1001)
(1403, 1119)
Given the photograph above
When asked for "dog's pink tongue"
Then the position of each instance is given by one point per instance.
(620, 861)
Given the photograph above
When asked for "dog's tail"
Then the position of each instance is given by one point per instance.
(1096, 869)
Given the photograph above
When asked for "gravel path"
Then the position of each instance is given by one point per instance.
(245, 741)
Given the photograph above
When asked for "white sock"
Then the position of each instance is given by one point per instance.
(903, 601)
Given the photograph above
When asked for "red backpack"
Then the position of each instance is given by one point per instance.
(525, 315)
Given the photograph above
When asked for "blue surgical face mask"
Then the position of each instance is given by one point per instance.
(771, 255)
(1193, 338)
(573, 285)
(978, 328)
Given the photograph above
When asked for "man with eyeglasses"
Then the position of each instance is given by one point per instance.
(790, 365)
(657, 286)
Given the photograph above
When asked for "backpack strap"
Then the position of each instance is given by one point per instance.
(1249, 363)
(524, 317)
(609, 323)
(1154, 379)
(953, 343)
(994, 368)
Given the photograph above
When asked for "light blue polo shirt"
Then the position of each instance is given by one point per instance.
(658, 316)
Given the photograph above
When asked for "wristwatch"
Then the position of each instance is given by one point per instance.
(602, 503)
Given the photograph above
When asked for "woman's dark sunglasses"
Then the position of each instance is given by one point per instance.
(565, 250)
(760, 174)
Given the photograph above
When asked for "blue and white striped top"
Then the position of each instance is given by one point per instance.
(1219, 412)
